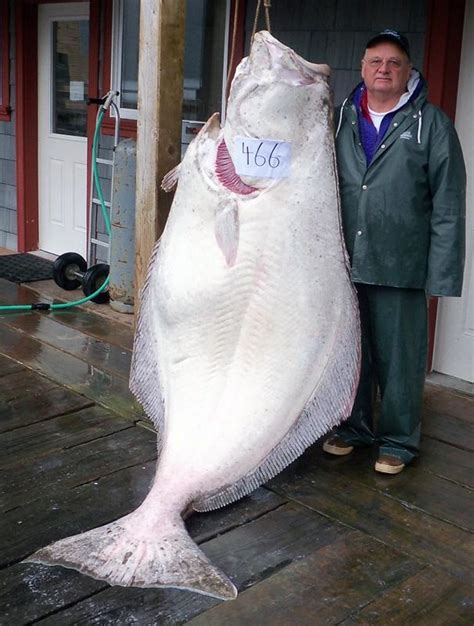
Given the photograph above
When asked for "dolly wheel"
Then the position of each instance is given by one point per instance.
(66, 269)
(93, 279)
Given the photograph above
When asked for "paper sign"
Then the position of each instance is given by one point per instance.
(76, 90)
(262, 158)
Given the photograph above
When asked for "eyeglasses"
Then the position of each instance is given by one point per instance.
(376, 63)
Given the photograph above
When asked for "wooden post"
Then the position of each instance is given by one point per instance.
(160, 94)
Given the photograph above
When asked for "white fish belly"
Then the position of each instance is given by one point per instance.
(243, 348)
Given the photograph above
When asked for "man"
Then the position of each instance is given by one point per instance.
(402, 185)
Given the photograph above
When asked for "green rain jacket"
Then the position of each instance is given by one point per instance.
(404, 214)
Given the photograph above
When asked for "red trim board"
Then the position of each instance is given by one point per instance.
(441, 70)
(26, 77)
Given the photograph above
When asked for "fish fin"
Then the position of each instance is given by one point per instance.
(170, 180)
(226, 229)
(330, 403)
(119, 555)
(144, 373)
(212, 127)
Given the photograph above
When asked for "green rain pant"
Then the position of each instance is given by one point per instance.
(394, 349)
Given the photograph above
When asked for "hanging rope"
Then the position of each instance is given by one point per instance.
(234, 37)
(267, 4)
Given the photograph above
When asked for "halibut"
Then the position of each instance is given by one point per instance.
(247, 348)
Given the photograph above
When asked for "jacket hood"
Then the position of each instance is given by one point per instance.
(416, 95)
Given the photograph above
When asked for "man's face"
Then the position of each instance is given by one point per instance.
(385, 70)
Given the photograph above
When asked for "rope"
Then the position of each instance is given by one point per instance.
(234, 37)
(255, 21)
(267, 4)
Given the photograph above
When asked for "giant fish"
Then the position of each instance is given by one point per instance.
(247, 346)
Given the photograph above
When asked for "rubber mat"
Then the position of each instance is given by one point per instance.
(25, 268)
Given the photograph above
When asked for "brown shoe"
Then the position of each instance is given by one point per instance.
(388, 464)
(335, 445)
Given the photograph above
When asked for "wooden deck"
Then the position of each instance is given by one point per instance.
(328, 541)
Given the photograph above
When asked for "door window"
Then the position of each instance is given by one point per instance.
(70, 77)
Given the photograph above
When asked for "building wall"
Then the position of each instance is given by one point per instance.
(336, 31)
(8, 221)
(454, 346)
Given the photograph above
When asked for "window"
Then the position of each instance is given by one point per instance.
(205, 64)
(4, 62)
(126, 20)
(205, 60)
(70, 47)
(205, 52)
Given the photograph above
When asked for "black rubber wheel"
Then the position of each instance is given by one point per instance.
(65, 267)
(93, 279)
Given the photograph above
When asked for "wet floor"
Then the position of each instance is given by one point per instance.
(328, 541)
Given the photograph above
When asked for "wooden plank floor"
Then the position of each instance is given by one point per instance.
(328, 541)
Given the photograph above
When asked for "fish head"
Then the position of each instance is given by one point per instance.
(276, 94)
(268, 55)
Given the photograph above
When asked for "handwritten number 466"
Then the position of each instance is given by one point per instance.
(259, 159)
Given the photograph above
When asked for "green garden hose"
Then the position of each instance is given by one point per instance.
(46, 306)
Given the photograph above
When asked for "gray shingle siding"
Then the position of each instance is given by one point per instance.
(8, 220)
(7, 146)
(336, 31)
(8, 198)
(7, 172)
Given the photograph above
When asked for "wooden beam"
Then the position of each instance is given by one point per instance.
(160, 94)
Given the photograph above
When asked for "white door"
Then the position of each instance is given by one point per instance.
(454, 345)
(63, 56)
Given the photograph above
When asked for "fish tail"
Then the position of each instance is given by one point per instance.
(119, 555)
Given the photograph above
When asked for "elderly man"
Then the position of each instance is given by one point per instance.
(402, 184)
